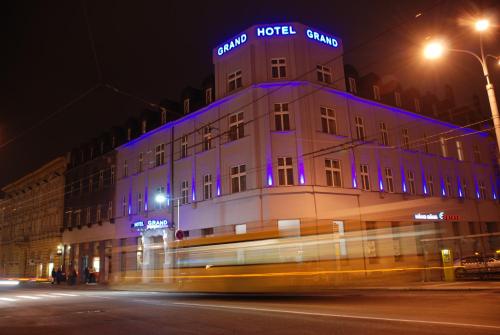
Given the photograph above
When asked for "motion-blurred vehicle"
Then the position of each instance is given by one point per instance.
(478, 266)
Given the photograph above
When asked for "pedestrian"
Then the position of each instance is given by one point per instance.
(59, 275)
(86, 272)
(54, 274)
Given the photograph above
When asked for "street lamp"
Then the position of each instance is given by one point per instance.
(435, 49)
(160, 198)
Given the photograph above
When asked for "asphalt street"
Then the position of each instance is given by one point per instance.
(53, 310)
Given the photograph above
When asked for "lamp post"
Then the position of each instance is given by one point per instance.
(436, 49)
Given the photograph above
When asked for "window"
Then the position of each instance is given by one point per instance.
(124, 206)
(78, 218)
(482, 190)
(411, 182)
(444, 150)
(160, 154)
(144, 126)
(285, 171)
(352, 85)
(376, 92)
(68, 221)
(460, 151)
(184, 146)
(207, 138)
(477, 153)
(465, 189)
(91, 183)
(430, 185)
(328, 121)
(278, 68)
(449, 190)
(238, 179)
(208, 96)
(186, 106)
(416, 101)
(125, 169)
(129, 134)
(389, 180)
(110, 209)
(160, 205)
(406, 139)
(397, 99)
(324, 74)
(98, 213)
(236, 126)
(184, 192)
(87, 216)
(112, 173)
(339, 233)
(371, 243)
(234, 81)
(207, 232)
(207, 186)
(426, 144)
(333, 172)
(365, 177)
(80, 189)
(281, 117)
(360, 128)
(396, 242)
(139, 203)
(100, 185)
(163, 116)
(240, 229)
(141, 162)
(384, 136)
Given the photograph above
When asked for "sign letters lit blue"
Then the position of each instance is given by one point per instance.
(151, 224)
(275, 31)
(232, 44)
(322, 38)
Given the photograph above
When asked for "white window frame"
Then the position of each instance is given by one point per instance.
(360, 128)
(460, 151)
(389, 180)
(112, 174)
(328, 120)
(100, 185)
(397, 99)
(285, 171)
(324, 74)
(411, 182)
(430, 185)
(208, 96)
(364, 173)
(405, 136)
(184, 192)
(184, 146)
(376, 92)
(207, 138)
(238, 174)
(449, 186)
(482, 190)
(384, 135)
(124, 206)
(278, 68)
(236, 126)
(186, 106)
(234, 80)
(281, 117)
(140, 166)
(160, 190)
(333, 172)
(352, 85)
(207, 187)
(160, 154)
(444, 149)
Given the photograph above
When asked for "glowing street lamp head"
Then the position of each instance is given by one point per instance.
(160, 198)
(434, 50)
(482, 25)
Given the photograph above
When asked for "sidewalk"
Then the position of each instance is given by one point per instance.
(433, 286)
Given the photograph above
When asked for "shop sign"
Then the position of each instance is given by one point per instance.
(441, 216)
(151, 224)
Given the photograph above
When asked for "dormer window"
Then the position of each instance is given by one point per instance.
(144, 126)
(352, 85)
(417, 104)
(208, 96)
(163, 116)
(397, 99)
(376, 93)
(186, 106)
(129, 134)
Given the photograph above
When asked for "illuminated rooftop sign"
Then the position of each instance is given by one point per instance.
(322, 38)
(151, 224)
(230, 45)
(278, 30)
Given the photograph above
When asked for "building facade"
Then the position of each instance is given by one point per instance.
(32, 213)
(284, 146)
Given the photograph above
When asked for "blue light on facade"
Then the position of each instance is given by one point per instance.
(322, 38)
(276, 30)
(218, 184)
(302, 178)
(443, 189)
(230, 45)
(459, 187)
(403, 179)
(353, 171)
(146, 198)
(193, 189)
(380, 178)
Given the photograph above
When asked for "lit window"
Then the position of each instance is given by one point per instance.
(240, 229)
(184, 146)
(333, 172)
(208, 96)
(384, 136)
(324, 74)
(281, 117)
(285, 171)
(159, 205)
(389, 180)
(207, 138)
(365, 177)
(460, 151)
(186, 106)
(328, 121)
(352, 85)
(236, 126)
(397, 98)
(160, 154)
(234, 80)
(278, 68)
(376, 93)
(207, 186)
(444, 150)
(184, 192)
(238, 179)
(360, 128)
(411, 182)
(406, 139)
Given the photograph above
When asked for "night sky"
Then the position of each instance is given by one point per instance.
(153, 49)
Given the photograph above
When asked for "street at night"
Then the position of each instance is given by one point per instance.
(50, 310)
